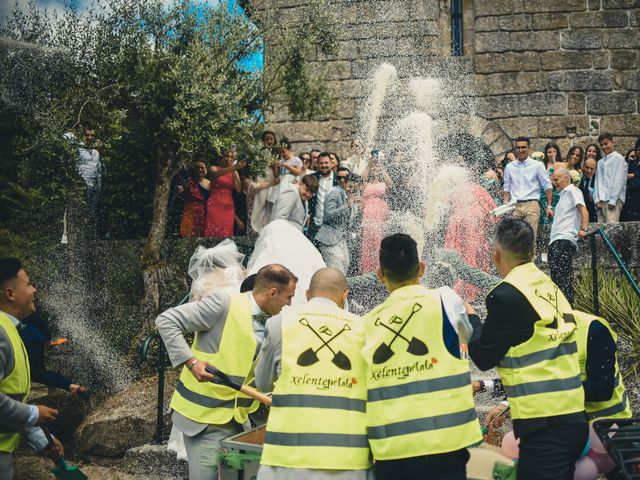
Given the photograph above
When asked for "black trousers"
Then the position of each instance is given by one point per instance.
(551, 453)
(444, 466)
(561, 253)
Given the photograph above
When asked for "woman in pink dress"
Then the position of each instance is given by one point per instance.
(224, 179)
(374, 211)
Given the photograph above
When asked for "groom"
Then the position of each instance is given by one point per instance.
(332, 236)
(291, 205)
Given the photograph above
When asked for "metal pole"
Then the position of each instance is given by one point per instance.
(594, 275)
(160, 404)
(619, 261)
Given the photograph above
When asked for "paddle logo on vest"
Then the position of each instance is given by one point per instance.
(415, 346)
(310, 355)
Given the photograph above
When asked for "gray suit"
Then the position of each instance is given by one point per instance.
(289, 206)
(207, 317)
(332, 236)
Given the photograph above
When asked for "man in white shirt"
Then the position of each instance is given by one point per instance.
(611, 181)
(570, 222)
(523, 179)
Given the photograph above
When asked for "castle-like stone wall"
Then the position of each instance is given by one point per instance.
(552, 70)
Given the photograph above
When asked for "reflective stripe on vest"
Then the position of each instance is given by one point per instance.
(541, 376)
(412, 374)
(316, 440)
(537, 357)
(319, 401)
(617, 406)
(317, 419)
(212, 403)
(17, 382)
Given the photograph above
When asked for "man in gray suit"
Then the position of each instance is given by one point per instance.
(229, 330)
(291, 205)
(332, 236)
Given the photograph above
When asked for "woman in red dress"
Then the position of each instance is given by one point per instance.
(224, 179)
(195, 194)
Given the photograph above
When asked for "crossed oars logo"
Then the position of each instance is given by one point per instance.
(415, 346)
(310, 356)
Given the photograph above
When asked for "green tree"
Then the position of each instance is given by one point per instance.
(162, 84)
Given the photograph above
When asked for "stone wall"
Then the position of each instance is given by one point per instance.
(552, 70)
(565, 71)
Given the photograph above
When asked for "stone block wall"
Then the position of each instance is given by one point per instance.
(558, 70)
(553, 70)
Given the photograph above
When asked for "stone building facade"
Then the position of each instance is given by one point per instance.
(552, 70)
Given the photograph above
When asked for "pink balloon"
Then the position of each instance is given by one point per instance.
(510, 445)
(586, 469)
(603, 461)
(596, 444)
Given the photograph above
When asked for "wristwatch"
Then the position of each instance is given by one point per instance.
(584, 229)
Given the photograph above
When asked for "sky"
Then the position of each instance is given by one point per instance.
(6, 6)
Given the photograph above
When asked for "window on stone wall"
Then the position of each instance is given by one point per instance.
(457, 32)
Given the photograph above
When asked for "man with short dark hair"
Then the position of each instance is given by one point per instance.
(228, 332)
(292, 204)
(315, 155)
(314, 432)
(588, 186)
(332, 236)
(529, 334)
(326, 181)
(611, 181)
(420, 412)
(16, 303)
(523, 179)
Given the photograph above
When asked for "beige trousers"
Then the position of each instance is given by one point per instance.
(530, 213)
(607, 215)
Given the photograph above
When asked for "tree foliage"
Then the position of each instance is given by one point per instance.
(162, 83)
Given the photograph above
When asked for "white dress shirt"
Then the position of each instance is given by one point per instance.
(611, 179)
(326, 184)
(566, 216)
(524, 179)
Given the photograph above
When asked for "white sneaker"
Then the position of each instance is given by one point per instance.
(543, 257)
(64, 240)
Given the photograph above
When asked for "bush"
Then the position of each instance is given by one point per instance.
(619, 305)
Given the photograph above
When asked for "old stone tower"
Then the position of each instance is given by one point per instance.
(552, 70)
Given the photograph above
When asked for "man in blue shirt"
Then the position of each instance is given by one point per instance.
(523, 179)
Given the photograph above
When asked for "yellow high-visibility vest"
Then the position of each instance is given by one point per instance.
(541, 376)
(211, 403)
(317, 420)
(617, 406)
(419, 396)
(17, 383)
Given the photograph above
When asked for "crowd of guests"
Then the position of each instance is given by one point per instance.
(343, 206)
(315, 191)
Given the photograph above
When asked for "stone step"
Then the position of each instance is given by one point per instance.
(153, 458)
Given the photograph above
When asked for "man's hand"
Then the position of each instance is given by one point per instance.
(198, 371)
(77, 390)
(468, 309)
(549, 212)
(476, 386)
(599, 205)
(46, 414)
(492, 421)
(611, 207)
(581, 234)
(55, 451)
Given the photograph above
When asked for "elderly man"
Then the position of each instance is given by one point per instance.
(292, 204)
(228, 332)
(332, 236)
(571, 221)
(317, 426)
(523, 179)
(16, 303)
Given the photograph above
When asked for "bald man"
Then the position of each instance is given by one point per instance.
(311, 359)
(570, 223)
